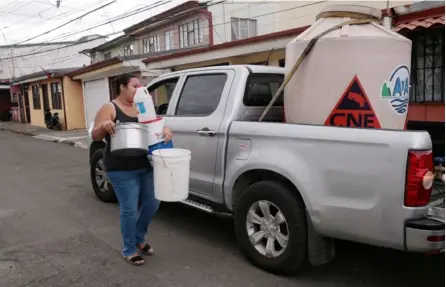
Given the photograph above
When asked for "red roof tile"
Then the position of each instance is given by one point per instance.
(424, 23)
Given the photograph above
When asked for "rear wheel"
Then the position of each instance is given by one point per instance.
(270, 226)
(99, 180)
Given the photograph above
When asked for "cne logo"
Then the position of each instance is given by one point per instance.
(396, 90)
(353, 109)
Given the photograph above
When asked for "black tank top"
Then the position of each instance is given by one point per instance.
(116, 163)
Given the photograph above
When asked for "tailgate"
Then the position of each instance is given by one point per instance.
(428, 234)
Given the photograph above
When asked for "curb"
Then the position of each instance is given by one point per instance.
(26, 133)
(59, 141)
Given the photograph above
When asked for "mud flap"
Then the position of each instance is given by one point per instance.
(321, 250)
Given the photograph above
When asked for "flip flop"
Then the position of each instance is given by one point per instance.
(134, 260)
(147, 249)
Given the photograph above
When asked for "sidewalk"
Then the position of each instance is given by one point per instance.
(76, 138)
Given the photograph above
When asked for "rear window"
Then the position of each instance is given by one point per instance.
(261, 88)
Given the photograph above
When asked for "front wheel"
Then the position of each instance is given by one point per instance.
(99, 180)
(270, 225)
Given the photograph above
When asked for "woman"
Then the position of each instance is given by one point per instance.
(131, 177)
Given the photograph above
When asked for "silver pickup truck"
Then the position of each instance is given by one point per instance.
(291, 189)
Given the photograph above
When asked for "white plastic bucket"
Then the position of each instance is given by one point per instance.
(171, 168)
(155, 127)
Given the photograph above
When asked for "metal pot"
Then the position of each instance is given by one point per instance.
(130, 139)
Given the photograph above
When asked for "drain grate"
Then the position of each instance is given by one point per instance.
(7, 268)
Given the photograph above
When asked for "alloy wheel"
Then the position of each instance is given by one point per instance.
(101, 176)
(267, 228)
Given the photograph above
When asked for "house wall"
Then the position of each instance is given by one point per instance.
(276, 16)
(175, 26)
(74, 103)
(114, 52)
(265, 14)
(302, 13)
(37, 116)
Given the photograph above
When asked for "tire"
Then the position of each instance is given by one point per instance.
(104, 193)
(294, 256)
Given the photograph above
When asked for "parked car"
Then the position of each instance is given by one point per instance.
(291, 189)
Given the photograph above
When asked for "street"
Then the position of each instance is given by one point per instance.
(54, 232)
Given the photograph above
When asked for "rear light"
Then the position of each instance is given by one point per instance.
(419, 178)
(435, 238)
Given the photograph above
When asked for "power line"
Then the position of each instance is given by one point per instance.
(72, 20)
(58, 48)
(66, 13)
(187, 11)
(195, 8)
(114, 19)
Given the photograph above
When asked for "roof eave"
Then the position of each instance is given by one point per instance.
(98, 65)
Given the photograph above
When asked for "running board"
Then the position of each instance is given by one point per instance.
(205, 208)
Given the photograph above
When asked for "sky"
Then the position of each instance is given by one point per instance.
(24, 19)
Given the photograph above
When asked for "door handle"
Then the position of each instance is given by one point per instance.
(206, 132)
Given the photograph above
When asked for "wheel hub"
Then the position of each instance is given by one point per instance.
(267, 228)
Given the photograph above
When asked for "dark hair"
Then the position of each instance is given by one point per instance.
(124, 80)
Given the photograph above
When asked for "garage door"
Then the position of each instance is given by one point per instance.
(96, 93)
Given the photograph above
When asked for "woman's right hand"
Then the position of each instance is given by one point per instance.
(109, 127)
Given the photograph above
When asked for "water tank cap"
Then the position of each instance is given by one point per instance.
(351, 11)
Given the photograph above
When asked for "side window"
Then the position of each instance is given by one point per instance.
(261, 88)
(161, 93)
(201, 94)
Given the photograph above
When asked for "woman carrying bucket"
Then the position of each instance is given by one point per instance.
(131, 177)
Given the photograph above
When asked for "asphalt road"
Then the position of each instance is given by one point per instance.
(54, 232)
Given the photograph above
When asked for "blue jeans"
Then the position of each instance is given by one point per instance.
(130, 188)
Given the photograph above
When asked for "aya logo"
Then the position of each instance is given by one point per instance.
(396, 90)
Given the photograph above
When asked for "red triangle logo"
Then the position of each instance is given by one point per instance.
(353, 109)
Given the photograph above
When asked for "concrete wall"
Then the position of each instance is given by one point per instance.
(49, 56)
(74, 104)
(223, 12)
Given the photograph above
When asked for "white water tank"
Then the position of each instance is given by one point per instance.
(355, 76)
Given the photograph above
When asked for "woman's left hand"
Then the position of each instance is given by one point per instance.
(167, 134)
